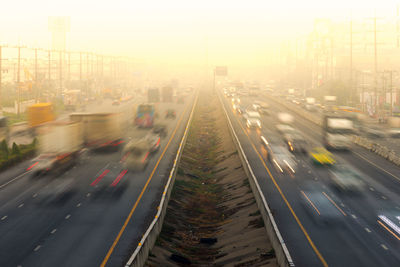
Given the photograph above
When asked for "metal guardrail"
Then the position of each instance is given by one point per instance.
(140, 254)
(282, 253)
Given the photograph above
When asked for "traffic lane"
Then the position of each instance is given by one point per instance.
(383, 171)
(27, 226)
(298, 246)
(141, 217)
(367, 207)
(340, 233)
(92, 230)
(349, 258)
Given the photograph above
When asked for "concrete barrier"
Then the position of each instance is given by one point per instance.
(282, 253)
(141, 253)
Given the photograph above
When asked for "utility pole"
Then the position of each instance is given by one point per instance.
(80, 70)
(60, 74)
(19, 80)
(87, 74)
(375, 68)
(36, 76)
(49, 66)
(69, 66)
(1, 73)
(391, 93)
(351, 60)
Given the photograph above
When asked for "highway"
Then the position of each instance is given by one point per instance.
(354, 235)
(103, 209)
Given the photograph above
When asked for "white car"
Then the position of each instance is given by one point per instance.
(253, 123)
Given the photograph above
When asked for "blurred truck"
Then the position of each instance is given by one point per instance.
(60, 145)
(394, 127)
(137, 152)
(101, 131)
(337, 132)
(153, 95)
(167, 94)
(40, 113)
(145, 115)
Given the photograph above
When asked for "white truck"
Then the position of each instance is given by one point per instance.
(394, 127)
(101, 131)
(337, 132)
(60, 145)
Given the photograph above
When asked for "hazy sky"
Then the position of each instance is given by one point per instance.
(184, 32)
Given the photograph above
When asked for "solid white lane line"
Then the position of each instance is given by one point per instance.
(12, 180)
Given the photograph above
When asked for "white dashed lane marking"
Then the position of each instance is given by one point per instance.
(384, 247)
(4, 217)
(21, 205)
(68, 216)
(37, 248)
(53, 231)
(367, 229)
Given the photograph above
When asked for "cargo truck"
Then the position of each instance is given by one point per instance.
(101, 131)
(60, 145)
(40, 113)
(337, 132)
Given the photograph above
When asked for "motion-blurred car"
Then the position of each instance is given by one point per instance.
(264, 109)
(295, 142)
(285, 129)
(170, 113)
(116, 103)
(280, 157)
(253, 123)
(321, 156)
(160, 129)
(346, 178)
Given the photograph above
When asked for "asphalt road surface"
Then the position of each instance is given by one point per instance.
(93, 214)
(320, 225)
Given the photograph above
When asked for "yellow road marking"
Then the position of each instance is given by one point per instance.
(319, 255)
(334, 203)
(110, 251)
(312, 204)
(390, 231)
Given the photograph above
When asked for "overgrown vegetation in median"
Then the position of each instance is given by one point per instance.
(15, 154)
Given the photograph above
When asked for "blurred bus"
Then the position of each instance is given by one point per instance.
(145, 115)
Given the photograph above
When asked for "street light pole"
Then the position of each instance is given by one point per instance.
(19, 80)
(1, 73)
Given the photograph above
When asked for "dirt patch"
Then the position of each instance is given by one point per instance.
(212, 217)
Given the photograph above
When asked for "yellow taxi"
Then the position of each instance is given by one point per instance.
(321, 156)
